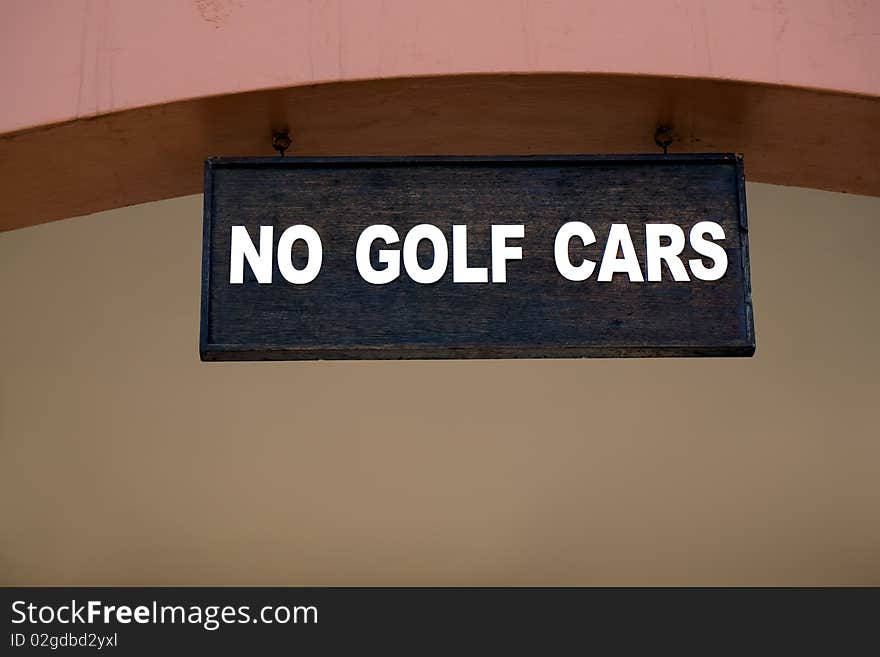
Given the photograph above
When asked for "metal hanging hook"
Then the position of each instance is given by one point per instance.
(281, 142)
(663, 137)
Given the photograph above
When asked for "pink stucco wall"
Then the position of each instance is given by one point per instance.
(67, 59)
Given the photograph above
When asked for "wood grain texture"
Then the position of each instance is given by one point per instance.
(536, 313)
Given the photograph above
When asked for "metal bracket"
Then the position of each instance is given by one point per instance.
(663, 137)
(281, 142)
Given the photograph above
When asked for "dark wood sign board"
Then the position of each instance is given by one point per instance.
(526, 308)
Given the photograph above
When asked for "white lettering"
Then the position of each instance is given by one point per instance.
(411, 249)
(572, 229)
(709, 249)
(389, 257)
(285, 254)
(619, 238)
(501, 253)
(461, 273)
(657, 252)
(243, 248)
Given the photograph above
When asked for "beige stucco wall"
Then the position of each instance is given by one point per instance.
(124, 460)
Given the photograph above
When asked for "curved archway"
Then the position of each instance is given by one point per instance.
(103, 118)
(789, 136)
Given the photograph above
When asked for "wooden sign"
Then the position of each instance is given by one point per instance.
(475, 257)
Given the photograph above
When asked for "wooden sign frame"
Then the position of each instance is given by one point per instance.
(536, 313)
